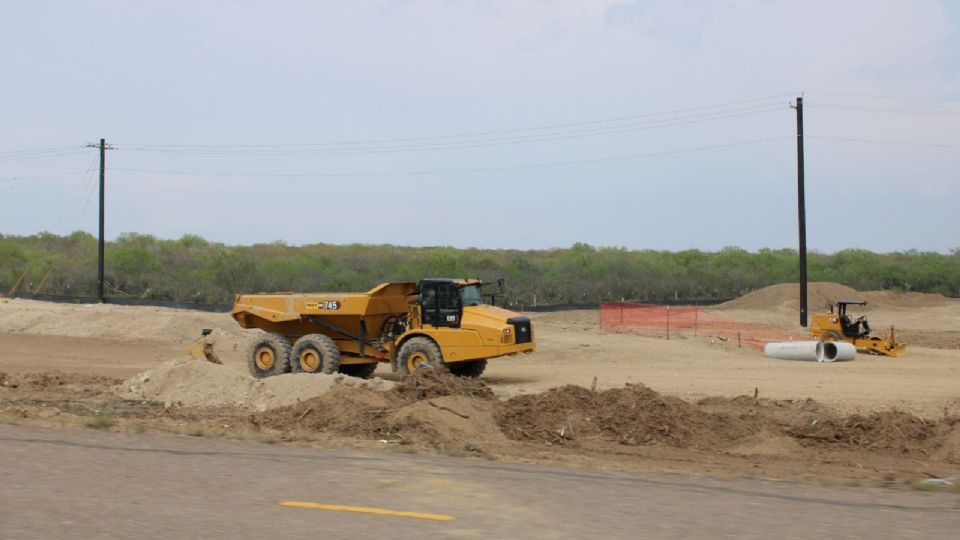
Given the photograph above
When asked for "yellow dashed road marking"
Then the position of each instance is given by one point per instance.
(366, 510)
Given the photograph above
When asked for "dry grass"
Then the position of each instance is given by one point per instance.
(101, 421)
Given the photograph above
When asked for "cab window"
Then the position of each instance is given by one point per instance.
(440, 303)
(470, 295)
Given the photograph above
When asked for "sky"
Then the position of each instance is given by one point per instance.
(491, 124)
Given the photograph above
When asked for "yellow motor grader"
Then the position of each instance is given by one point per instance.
(842, 326)
(432, 324)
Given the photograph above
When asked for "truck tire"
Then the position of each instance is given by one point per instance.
(467, 368)
(420, 353)
(315, 353)
(363, 371)
(270, 355)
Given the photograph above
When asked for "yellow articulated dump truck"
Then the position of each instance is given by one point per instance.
(433, 324)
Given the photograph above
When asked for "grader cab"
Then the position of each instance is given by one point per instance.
(433, 324)
(844, 325)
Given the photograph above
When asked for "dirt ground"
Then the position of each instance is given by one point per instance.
(693, 404)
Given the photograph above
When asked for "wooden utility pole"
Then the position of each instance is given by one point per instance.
(801, 215)
(103, 176)
(103, 164)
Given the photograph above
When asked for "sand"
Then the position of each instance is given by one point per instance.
(188, 382)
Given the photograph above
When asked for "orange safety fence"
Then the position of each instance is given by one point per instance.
(666, 321)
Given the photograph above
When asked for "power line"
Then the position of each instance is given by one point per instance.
(468, 134)
(91, 189)
(80, 190)
(455, 171)
(874, 141)
(41, 156)
(28, 151)
(874, 96)
(516, 139)
(894, 110)
(18, 178)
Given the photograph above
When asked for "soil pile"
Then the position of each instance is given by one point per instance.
(448, 413)
(188, 382)
(112, 321)
(893, 300)
(191, 383)
(634, 415)
(901, 432)
(821, 294)
(430, 384)
(788, 294)
(431, 409)
(347, 411)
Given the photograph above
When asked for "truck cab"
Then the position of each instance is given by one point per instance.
(453, 314)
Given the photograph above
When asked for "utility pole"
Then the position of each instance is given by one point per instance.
(103, 170)
(103, 175)
(801, 214)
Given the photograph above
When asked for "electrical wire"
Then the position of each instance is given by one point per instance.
(81, 189)
(454, 171)
(518, 139)
(19, 178)
(39, 150)
(91, 190)
(39, 155)
(874, 96)
(873, 141)
(893, 110)
(468, 134)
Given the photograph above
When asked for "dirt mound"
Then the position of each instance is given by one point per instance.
(821, 294)
(448, 423)
(633, 415)
(893, 300)
(348, 411)
(189, 382)
(899, 431)
(112, 321)
(769, 414)
(430, 384)
(818, 293)
(291, 388)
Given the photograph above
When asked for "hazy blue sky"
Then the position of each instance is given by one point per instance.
(539, 124)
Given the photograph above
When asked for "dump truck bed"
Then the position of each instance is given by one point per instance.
(342, 309)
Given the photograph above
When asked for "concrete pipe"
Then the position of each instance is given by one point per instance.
(792, 350)
(835, 351)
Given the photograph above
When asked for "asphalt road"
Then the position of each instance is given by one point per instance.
(92, 484)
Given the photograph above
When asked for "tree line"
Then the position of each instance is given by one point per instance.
(192, 269)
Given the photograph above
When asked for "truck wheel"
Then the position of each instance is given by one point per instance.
(420, 353)
(363, 371)
(269, 355)
(315, 353)
(469, 368)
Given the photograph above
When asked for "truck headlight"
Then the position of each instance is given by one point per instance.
(507, 331)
